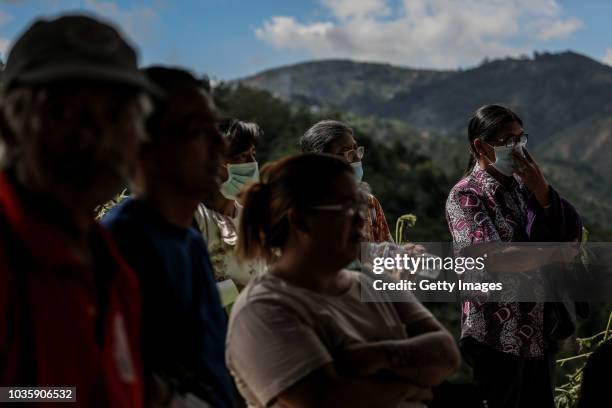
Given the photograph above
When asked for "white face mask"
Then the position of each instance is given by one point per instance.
(239, 175)
(358, 169)
(504, 161)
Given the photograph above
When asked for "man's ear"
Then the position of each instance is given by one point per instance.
(147, 155)
(296, 219)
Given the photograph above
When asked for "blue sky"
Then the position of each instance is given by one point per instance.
(231, 38)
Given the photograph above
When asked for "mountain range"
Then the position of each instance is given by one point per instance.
(564, 99)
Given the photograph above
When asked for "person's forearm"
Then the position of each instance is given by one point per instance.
(542, 195)
(516, 258)
(426, 359)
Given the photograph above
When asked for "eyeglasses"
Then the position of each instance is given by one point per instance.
(349, 209)
(511, 141)
(353, 155)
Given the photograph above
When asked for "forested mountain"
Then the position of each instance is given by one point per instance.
(565, 100)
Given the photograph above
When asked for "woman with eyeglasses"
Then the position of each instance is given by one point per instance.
(334, 137)
(299, 335)
(504, 197)
(218, 220)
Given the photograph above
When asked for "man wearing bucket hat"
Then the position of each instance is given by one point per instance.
(71, 113)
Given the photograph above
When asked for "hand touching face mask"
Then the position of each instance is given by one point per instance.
(505, 162)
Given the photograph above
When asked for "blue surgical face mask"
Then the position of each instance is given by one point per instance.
(239, 175)
(358, 169)
(504, 161)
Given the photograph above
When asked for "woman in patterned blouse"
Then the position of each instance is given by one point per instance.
(506, 343)
(334, 137)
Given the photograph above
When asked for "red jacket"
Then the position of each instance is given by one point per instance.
(63, 323)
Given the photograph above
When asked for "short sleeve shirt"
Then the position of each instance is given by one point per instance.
(183, 322)
(279, 333)
(221, 235)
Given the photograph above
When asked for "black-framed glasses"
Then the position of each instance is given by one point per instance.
(354, 155)
(512, 141)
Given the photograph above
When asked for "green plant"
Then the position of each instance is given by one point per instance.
(567, 395)
(101, 210)
(405, 221)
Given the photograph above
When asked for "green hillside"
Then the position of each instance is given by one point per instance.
(565, 100)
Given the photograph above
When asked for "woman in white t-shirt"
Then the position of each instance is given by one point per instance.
(218, 222)
(300, 335)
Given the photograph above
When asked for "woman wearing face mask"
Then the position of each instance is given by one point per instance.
(299, 335)
(219, 225)
(334, 137)
(504, 197)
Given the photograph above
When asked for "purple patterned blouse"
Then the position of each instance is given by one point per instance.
(480, 209)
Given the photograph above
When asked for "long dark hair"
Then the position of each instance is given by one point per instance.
(485, 124)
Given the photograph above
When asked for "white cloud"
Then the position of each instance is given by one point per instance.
(557, 29)
(437, 33)
(607, 59)
(357, 9)
(286, 32)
